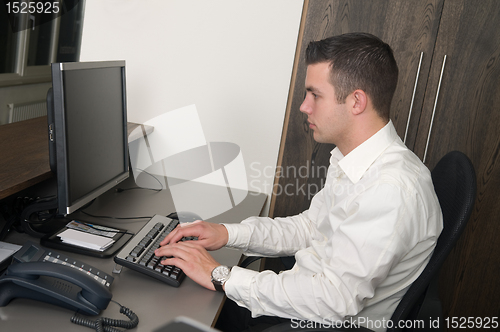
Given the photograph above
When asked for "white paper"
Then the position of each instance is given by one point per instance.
(86, 240)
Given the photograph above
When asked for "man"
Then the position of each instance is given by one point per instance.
(368, 233)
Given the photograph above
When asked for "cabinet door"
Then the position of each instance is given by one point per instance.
(467, 118)
(410, 27)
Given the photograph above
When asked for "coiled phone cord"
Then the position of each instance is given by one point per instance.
(104, 324)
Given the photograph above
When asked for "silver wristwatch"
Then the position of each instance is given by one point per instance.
(219, 276)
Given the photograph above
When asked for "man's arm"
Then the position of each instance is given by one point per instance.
(273, 237)
(254, 235)
(279, 236)
(282, 235)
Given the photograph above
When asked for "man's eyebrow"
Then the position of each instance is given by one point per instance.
(312, 89)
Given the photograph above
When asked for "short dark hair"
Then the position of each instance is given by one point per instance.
(358, 61)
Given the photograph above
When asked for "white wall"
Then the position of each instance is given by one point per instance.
(233, 59)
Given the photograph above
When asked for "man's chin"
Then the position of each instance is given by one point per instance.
(318, 138)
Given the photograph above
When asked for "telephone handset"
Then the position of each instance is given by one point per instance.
(48, 276)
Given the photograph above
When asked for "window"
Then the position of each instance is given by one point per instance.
(33, 34)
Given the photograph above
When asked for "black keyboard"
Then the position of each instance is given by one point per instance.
(139, 255)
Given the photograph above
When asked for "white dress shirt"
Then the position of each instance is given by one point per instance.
(366, 237)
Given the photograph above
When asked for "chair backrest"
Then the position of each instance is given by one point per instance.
(454, 181)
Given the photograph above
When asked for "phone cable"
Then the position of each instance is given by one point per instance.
(104, 324)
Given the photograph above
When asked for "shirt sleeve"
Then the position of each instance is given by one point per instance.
(275, 237)
(337, 273)
(270, 237)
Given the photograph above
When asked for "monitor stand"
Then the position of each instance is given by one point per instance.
(40, 220)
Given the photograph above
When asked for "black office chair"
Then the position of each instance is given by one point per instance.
(454, 181)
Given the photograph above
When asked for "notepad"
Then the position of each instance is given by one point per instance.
(86, 240)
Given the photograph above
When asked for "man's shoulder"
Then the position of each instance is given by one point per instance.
(400, 165)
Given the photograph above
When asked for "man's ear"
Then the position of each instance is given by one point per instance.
(360, 101)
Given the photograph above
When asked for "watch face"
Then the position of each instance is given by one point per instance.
(220, 273)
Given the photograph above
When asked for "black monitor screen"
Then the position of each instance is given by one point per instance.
(89, 153)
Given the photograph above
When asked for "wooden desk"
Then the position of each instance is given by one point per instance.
(24, 153)
(154, 302)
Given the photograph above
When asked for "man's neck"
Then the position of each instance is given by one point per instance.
(362, 131)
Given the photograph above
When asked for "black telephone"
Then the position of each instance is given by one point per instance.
(48, 276)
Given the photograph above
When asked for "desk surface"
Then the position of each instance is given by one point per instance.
(154, 302)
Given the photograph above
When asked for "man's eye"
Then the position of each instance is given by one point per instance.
(315, 96)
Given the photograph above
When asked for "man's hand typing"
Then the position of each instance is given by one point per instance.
(192, 258)
(210, 236)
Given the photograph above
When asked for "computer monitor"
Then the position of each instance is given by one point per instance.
(87, 119)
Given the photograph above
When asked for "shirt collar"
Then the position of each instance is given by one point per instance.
(357, 162)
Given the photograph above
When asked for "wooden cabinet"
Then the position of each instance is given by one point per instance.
(465, 116)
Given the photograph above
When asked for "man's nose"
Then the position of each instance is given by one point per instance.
(305, 107)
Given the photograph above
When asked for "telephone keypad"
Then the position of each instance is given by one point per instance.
(83, 268)
(34, 252)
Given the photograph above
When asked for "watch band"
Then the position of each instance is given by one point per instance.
(218, 286)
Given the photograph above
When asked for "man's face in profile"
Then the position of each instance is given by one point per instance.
(326, 117)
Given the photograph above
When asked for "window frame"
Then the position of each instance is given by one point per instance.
(24, 74)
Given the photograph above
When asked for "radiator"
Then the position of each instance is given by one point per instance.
(25, 111)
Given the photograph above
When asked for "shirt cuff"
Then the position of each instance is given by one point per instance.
(237, 287)
(238, 236)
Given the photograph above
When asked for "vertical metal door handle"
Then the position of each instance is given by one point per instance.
(434, 110)
(413, 96)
